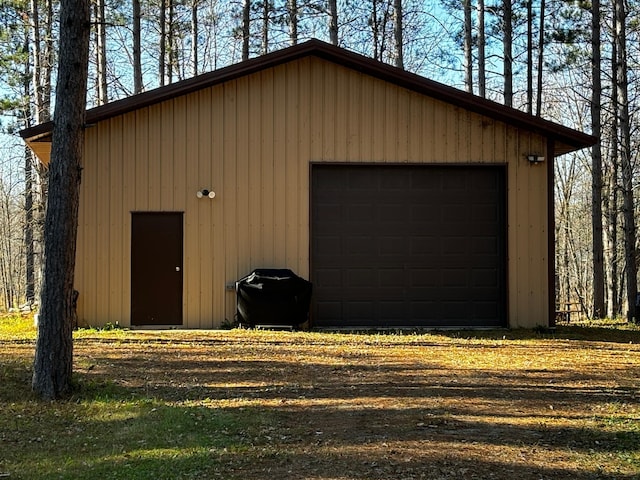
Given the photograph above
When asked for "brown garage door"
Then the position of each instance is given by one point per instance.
(408, 246)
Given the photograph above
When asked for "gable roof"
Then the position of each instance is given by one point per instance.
(565, 139)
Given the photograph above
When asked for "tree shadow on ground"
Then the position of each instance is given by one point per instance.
(172, 413)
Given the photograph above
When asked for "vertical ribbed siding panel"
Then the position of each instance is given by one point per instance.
(403, 126)
(181, 163)
(265, 183)
(196, 144)
(430, 144)
(327, 113)
(354, 116)
(463, 129)
(518, 231)
(129, 145)
(342, 108)
(115, 231)
(294, 118)
(166, 141)
(390, 125)
(154, 160)
(86, 275)
(537, 232)
(279, 184)
(244, 202)
(378, 120)
(316, 97)
(439, 139)
(141, 162)
(177, 165)
(416, 126)
(451, 116)
(307, 153)
(367, 104)
(102, 220)
(213, 307)
(254, 172)
(230, 196)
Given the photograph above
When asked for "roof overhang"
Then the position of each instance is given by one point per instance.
(565, 139)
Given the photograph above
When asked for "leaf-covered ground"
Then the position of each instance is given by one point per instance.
(281, 405)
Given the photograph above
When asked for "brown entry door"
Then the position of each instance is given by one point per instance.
(156, 268)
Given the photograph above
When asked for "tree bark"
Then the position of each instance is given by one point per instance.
(266, 14)
(628, 205)
(482, 75)
(468, 47)
(529, 57)
(30, 279)
(599, 310)
(398, 33)
(508, 55)
(333, 22)
(101, 52)
(194, 37)
(246, 28)
(540, 60)
(292, 13)
(172, 54)
(162, 61)
(54, 346)
(137, 43)
(611, 201)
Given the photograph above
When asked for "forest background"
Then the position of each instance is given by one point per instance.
(572, 62)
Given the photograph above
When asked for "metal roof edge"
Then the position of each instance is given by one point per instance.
(572, 138)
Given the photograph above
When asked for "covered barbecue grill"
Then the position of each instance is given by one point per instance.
(273, 297)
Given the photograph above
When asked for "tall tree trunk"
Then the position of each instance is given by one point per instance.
(49, 60)
(482, 75)
(292, 13)
(398, 33)
(628, 210)
(468, 47)
(162, 61)
(101, 52)
(29, 250)
(540, 60)
(137, 43)
(246, 28)
(610, 207)
(596, 167)
(36, 44)
(508, 55)
(377, 54)
(52, 369)
(529, 57)
(30, 278)
(333, 22)
(266, 15)
(42, 58)
(194, 37)
(172, 53)
(612, 200)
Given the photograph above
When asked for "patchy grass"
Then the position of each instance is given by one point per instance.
(17, 327)
(253, 404)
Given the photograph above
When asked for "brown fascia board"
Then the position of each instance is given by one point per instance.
(566, 139)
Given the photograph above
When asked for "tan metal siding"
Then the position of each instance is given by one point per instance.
(251, 140)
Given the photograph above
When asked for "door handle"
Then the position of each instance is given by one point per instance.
(177, 269)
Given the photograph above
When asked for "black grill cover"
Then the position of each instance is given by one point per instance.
(273, 297)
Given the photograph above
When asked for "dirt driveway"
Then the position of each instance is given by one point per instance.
(396, 406)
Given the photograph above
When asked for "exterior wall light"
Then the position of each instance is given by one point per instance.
(204, 193)
(534, 159)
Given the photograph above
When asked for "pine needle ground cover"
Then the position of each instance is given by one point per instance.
(244, 404)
